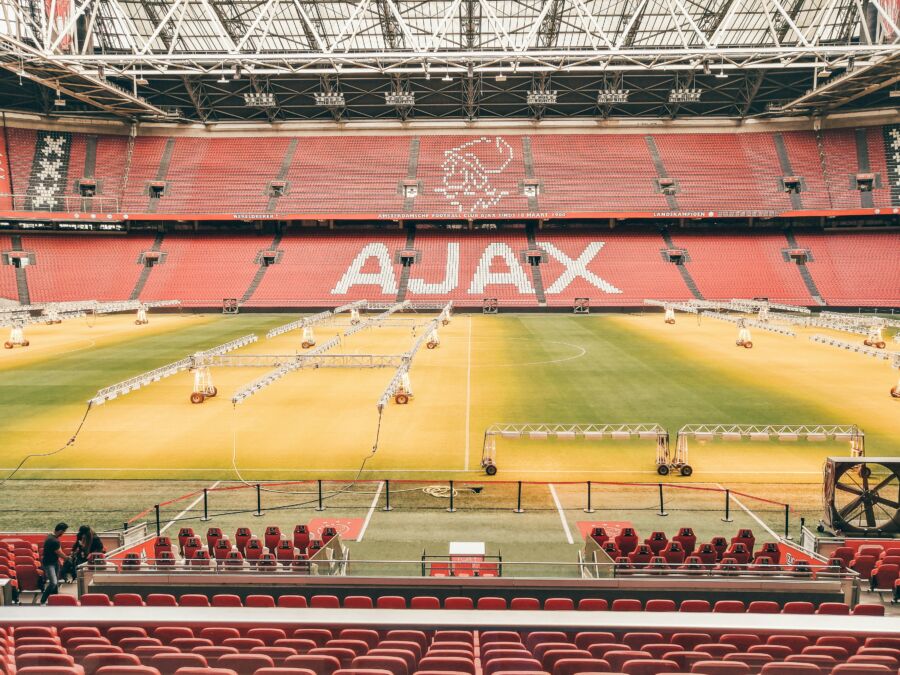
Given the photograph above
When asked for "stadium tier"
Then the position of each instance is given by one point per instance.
(265, 641)
(358, 176)
(518, 267)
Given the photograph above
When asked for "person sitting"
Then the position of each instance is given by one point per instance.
(86, 543)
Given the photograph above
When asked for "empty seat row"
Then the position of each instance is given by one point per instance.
(465, 603)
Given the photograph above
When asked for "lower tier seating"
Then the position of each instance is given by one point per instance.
(319, 269)
(255, 648)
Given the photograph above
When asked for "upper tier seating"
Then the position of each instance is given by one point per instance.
(107, 169)
(317, 269)
(736, 174)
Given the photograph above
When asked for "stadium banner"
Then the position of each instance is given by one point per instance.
(791, 555)
(5, 182)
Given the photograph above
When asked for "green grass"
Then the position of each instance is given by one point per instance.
(522, 368)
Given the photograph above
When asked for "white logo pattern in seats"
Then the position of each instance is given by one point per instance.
(467, 171)
(48, 178)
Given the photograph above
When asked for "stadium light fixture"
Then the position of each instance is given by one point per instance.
(685, 95)
(141, 81)
(721, 75)
(446, 78)
(501, 76)
(541, 97)
(222, 79)
(403, 99)
(330, 100)
(607, 96)
(260, 99)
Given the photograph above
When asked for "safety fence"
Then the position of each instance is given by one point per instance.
(606, 499)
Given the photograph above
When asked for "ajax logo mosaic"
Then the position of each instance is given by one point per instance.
(468, 170)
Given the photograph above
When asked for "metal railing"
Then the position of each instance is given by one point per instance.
(63, 203)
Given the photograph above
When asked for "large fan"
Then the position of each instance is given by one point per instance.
(862, 495)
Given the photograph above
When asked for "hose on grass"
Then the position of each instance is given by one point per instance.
(71, 441)
(342, 490)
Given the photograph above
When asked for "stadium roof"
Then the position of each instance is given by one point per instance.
(214, 60)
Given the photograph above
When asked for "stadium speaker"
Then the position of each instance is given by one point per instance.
(862, 495)
(229, 306)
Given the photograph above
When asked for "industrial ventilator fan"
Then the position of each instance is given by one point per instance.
(862, 495)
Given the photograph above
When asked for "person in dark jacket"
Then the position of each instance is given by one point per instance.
(51, 560)
(86, 543)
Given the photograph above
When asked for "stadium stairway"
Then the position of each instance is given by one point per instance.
(536, 277)
(682, 270)
(260, 273)
(21, 275)
(403, 285)
(803, 270)
(145, 272)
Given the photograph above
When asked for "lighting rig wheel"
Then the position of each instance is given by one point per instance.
(662, 470)
(445, 322)
(306, 345)
(50, 323)
(137, 323)
(431, 345)
(671, 322)
(197, 397)
(687, 470)
(491, 469)
(26, 343)
(354, 322)
(401, 399)
(739, 343)
(748, 345)
(880, 345)
(867, 343)
(895, 391)
(9, 345)
(211, 392)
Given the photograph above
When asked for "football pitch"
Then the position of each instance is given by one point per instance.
(153, 444)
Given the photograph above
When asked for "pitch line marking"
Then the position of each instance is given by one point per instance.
(468, 395)
(562, 514)
(187, 510)
(752, 515)
(365, 524)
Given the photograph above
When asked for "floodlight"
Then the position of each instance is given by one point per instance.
(541, 97)
(400, 99)
(606, 96)
(685, 95)
(330, 99)
(260, 99)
